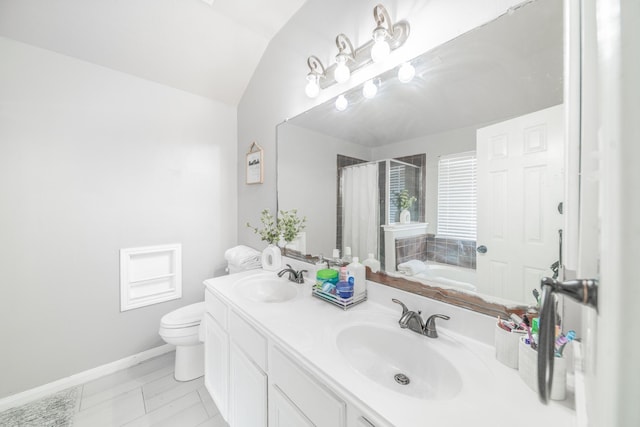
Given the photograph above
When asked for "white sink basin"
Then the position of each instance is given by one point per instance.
(266, 288)
(380, 354)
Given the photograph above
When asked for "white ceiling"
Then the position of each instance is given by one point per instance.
(208, 50)
(504, 69)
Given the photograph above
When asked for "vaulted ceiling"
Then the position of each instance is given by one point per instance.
(207, 49)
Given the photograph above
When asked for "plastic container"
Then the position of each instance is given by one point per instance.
(372, 263)
(343, 274)
(344, 290)
(347, 254)
(356, 274)
(326, 275)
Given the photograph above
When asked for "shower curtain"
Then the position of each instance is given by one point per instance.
(360, 225)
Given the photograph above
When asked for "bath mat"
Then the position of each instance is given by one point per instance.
(56, 410)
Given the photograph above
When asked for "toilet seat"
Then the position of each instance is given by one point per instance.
(184, 317)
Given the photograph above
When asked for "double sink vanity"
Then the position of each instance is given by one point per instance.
(276, 356)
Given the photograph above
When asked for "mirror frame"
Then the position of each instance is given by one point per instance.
(433, 291)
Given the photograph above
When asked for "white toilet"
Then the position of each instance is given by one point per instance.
(180, 328)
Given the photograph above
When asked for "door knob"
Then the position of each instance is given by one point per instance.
(481, 249)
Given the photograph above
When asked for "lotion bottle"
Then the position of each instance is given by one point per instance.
(357, 273)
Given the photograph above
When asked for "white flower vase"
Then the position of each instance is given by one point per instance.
(405, 216)
(271, 258)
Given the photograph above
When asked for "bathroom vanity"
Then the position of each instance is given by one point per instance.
(276, 356)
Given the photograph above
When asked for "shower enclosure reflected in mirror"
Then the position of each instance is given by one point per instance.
(481, 125)
(370, 196)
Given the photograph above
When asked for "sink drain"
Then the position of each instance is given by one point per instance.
(402, 379)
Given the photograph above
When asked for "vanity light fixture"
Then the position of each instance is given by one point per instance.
(341, 103)
(345, 54)
(369, 89)
(406, 72)
(381, 48)
(387, 36)
(316, 72)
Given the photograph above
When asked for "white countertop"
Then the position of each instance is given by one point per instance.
(491, 395)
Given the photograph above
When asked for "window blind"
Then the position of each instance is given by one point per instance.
(396, 185)
(457, 196)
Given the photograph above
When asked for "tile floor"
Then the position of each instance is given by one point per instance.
(146, 395)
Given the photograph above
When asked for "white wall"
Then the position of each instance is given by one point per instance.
(276, 90)
(312, 155)
(434, 146)
(91, 161)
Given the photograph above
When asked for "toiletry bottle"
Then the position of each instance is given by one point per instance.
(343, 274)
(357, 273)
(372, 263)
(346, 255)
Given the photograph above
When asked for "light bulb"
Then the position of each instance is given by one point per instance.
(380, 51)
(342, 72)
(341, 103)
(312, 89)
(369, 89)
(406, 72)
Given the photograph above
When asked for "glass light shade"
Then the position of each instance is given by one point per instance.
(406, 73)
(369, 89)
(341, 103)
(342, 72)
(312, 89)
(380, 50)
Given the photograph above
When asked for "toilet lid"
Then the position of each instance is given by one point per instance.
(190, 315)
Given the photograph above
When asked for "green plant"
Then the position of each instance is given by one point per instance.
(290, 225)
(404, 201)
(287, 226)
(269, 232)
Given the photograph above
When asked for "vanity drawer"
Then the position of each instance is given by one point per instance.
(317, 403)
(216, 308)
(248, 339)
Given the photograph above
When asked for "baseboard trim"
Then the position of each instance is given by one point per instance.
(81, 378)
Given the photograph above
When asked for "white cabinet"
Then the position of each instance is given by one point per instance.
(314, 400)
(248, 391)
(216, 365)
(235, 358)
(257, 383)
(283, 413)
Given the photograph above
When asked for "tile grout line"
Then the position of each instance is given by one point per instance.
(144, 400)
(204, 405)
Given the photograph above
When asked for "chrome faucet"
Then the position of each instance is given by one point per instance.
(294, 276)
(413, 321)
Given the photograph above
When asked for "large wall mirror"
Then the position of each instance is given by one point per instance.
(476, 137)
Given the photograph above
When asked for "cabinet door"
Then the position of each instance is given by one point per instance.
(248, 398)
(317, 402)
(216, 365)
(283, 413)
